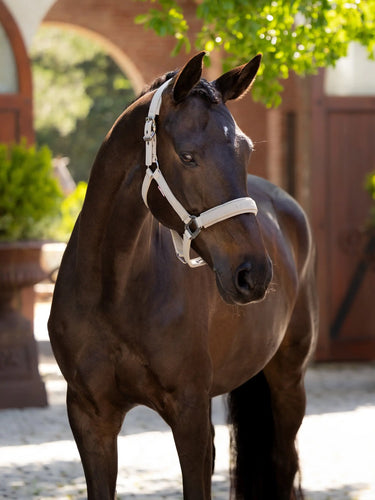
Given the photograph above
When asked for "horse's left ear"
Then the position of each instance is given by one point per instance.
(188, 77)
(236, 82)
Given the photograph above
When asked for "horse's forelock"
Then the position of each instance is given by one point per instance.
(203, 88)
(207, 90)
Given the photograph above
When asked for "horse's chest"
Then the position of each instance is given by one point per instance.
(156, 351)
(241, 344)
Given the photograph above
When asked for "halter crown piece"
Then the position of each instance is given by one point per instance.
(193, 224)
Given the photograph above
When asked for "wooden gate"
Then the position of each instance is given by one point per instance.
(343, 152)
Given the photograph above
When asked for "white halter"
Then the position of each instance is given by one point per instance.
(193, 224)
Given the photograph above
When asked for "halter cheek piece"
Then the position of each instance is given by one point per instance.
(193, 224)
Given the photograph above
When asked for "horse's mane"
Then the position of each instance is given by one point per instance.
(203, 88)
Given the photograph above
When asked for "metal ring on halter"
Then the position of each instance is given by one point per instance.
(193, 233)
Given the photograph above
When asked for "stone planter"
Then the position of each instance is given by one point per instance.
(20, 383)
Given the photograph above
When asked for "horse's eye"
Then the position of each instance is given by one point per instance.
(188, 159)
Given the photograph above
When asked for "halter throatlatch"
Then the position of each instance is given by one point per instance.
(193, 224)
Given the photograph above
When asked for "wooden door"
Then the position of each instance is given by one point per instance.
(343, 152)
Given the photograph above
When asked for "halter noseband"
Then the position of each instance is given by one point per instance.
(193, 224)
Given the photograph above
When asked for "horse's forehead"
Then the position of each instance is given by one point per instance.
(197, 116)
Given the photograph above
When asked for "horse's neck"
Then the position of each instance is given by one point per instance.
(113, 212)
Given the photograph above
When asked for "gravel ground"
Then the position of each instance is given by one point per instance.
(39, 460)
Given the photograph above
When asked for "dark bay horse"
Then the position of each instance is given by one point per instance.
(133, 325)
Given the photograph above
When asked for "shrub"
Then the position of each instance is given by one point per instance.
(30, 197)
(70, 209)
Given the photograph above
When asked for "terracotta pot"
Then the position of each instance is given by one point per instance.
(20, 383)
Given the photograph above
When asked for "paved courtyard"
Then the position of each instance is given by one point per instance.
(39, 460)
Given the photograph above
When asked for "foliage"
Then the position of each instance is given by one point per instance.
(370, 187)
(60, 97)
(79, 92)
(29, 194)
(70, 209)
(169, 20)
(298, 35)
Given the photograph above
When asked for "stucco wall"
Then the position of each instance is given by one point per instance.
(28, 15)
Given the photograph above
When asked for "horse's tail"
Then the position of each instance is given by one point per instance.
(252, 442)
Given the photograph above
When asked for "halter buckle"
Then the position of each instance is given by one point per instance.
(192, 233)
(150, 129)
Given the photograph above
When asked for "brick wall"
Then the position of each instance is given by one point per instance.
(150, 55)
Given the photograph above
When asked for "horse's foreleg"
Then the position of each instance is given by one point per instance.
(95, 431)
(192, 432)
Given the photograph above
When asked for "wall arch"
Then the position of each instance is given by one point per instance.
(112, 22)
(122, 60)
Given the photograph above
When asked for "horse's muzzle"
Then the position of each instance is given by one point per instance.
(249, 282)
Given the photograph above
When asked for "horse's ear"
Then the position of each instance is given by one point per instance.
(188, 77)
(236, 82)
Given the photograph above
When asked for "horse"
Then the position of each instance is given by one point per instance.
(186, 278)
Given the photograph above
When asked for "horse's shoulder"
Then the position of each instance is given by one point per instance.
(291, 217)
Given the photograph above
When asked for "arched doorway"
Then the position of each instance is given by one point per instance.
(124, 62)
(16, 95)
(79, 92)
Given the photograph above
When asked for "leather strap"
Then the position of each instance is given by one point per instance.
(150, 125)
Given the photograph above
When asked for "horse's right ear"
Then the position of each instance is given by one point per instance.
(188, 77)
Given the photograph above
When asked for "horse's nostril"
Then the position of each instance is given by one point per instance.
(244, 279)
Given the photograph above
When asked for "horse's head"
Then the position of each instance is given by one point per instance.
(203, 158)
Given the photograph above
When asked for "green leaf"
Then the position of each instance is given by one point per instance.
(142, 18)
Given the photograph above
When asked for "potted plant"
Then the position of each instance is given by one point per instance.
(30, 200)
